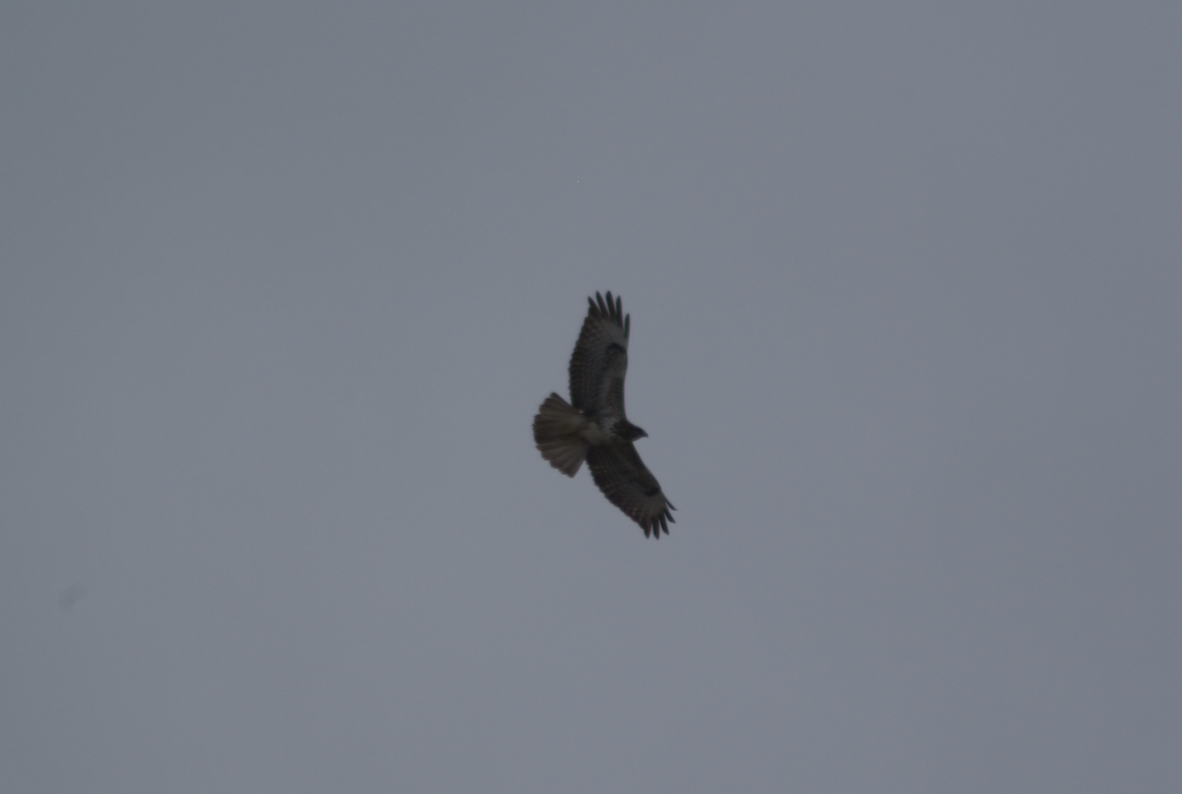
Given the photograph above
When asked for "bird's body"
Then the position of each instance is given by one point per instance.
(593, 425)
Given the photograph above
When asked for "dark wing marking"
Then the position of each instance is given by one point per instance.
(600, 359)
(624, 480)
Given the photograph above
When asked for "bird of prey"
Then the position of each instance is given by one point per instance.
(593, 427)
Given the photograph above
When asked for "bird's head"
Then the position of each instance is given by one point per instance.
(629, 431)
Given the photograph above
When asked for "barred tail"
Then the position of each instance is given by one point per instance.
(556, 430)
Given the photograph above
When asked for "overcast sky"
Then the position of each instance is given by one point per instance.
(283, 284)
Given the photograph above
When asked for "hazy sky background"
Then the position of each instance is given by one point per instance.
(283, 285)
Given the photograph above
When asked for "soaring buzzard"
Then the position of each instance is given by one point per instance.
(593, 425)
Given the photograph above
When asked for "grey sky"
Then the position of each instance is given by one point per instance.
(282, 285)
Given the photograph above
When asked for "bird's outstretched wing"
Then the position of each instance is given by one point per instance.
(600, 360)
(630, 486)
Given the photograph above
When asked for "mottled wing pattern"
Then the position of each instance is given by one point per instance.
(630, 486)
(600, 360)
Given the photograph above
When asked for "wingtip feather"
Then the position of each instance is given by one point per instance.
(609, 307)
